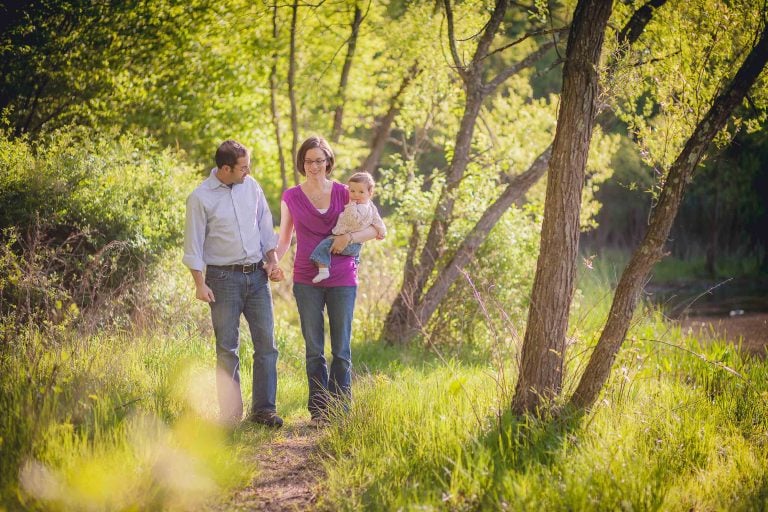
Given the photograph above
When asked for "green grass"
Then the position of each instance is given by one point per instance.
(125, 420)
(673, 432)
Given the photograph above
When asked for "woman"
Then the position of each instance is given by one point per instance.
(311, 209)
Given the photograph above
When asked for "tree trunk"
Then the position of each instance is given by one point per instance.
(384, 125)
(273, 101)
(339, 113)
(651, 248)
(292, 92)
(401, 324)
(543, 353)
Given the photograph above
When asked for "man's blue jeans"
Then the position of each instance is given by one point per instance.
(340, 304)
(322, 253)
(249, 294)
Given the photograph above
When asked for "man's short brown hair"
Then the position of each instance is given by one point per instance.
(229, 152)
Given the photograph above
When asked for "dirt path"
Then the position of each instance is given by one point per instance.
(287, 474)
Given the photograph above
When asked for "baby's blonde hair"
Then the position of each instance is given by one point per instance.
(364, 178)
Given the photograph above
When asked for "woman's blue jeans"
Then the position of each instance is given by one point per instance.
(238, 294)
(340, 304)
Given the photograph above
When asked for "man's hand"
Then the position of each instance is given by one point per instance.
(276, 275)
(274, 272)
(204, 293)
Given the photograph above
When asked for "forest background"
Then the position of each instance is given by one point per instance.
(111, 112)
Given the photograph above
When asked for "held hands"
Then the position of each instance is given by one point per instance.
(276, 275)
(274, 272)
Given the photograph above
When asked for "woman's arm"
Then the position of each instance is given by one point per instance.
(286, 231)
(341, 241)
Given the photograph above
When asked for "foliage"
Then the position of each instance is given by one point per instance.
(724, 212)
(78, 62)
(665, 87)
(83, 217)
(501, 276)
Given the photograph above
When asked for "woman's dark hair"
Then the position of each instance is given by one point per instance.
(229, 152)
(315, 142)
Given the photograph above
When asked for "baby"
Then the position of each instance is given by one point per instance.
(358, 214)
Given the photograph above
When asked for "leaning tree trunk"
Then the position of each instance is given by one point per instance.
(338, 115)
(541, 368)
(515, 190)
(292, 92)
(651, 249)
(273, 101)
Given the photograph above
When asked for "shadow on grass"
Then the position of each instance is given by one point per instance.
(520, 442)
(525, 444)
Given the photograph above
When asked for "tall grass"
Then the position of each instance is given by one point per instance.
(112, 420)
(126, 420)
(681, 426)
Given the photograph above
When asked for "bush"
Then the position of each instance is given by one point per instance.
(82, 217)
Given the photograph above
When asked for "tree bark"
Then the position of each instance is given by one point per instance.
(651, 248)
(273, 101)
(338, 115)
(634, 28)
(543, 353)
(292, 92)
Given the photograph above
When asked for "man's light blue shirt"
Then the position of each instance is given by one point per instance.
(227, 225)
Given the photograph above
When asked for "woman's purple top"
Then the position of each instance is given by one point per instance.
(311, 228)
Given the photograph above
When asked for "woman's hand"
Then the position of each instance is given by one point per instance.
(340, 242)
(276, 275)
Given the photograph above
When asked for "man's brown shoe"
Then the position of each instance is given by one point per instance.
(266, 418)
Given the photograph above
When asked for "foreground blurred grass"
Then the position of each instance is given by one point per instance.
(126, 420)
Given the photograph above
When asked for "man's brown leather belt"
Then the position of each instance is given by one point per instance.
(245, 269)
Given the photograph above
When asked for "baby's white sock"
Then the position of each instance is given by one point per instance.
(322, 273)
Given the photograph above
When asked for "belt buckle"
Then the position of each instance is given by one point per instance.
(249, 269)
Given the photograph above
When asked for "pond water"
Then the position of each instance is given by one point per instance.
(726, 297)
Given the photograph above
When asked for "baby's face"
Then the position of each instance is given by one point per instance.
(359, 193)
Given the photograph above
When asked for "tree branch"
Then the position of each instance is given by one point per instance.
(527, 62)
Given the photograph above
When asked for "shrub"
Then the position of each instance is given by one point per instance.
(82, 217)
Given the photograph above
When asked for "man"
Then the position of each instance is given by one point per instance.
(229, 235)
